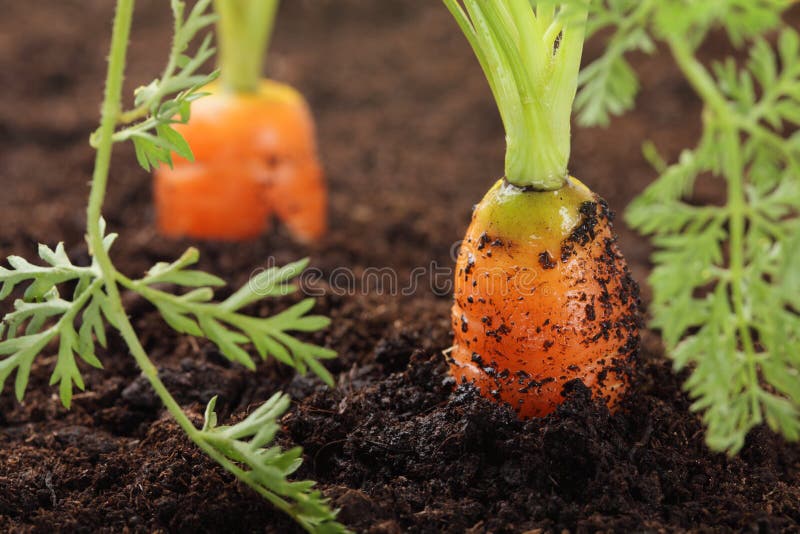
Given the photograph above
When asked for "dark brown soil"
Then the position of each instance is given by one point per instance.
(411, 141)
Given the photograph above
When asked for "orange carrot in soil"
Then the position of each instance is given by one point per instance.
(542, 293)
(254, 148)
(542, 297)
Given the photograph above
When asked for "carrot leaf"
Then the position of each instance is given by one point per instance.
(226, 325)
(41, 316)
(166, 100)
(726, 293)
(266, 467)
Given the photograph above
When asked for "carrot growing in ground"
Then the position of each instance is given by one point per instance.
(67, 306)
(542, 294)
(253, 144)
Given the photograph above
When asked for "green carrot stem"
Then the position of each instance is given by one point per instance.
(110, 114)
(110, 111)
(732, 165)
(244, 29)
(531, 55)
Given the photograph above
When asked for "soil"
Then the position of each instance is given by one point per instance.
(411, 140)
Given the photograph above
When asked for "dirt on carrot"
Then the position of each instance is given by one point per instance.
(391, 446)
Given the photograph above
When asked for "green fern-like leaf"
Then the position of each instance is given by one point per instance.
(42, 316)
(266, 467)
(227, 326)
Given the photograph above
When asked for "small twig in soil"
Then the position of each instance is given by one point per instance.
(48, 482)
(390, 448)
(329, 444)
(642, 442)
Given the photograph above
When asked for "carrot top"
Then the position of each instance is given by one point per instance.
(528, 218)
(244, 29)
(531, 53)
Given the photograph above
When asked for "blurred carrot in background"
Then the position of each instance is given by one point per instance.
(253, 142)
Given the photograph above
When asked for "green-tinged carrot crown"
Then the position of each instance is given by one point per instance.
(543, 219)
(530, 52)
(243, 32)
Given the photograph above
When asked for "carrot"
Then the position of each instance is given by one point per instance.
(253, 143)
(543, 298)
(542, 293)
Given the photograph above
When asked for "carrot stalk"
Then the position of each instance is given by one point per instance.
(244, 29)
(533, 80)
